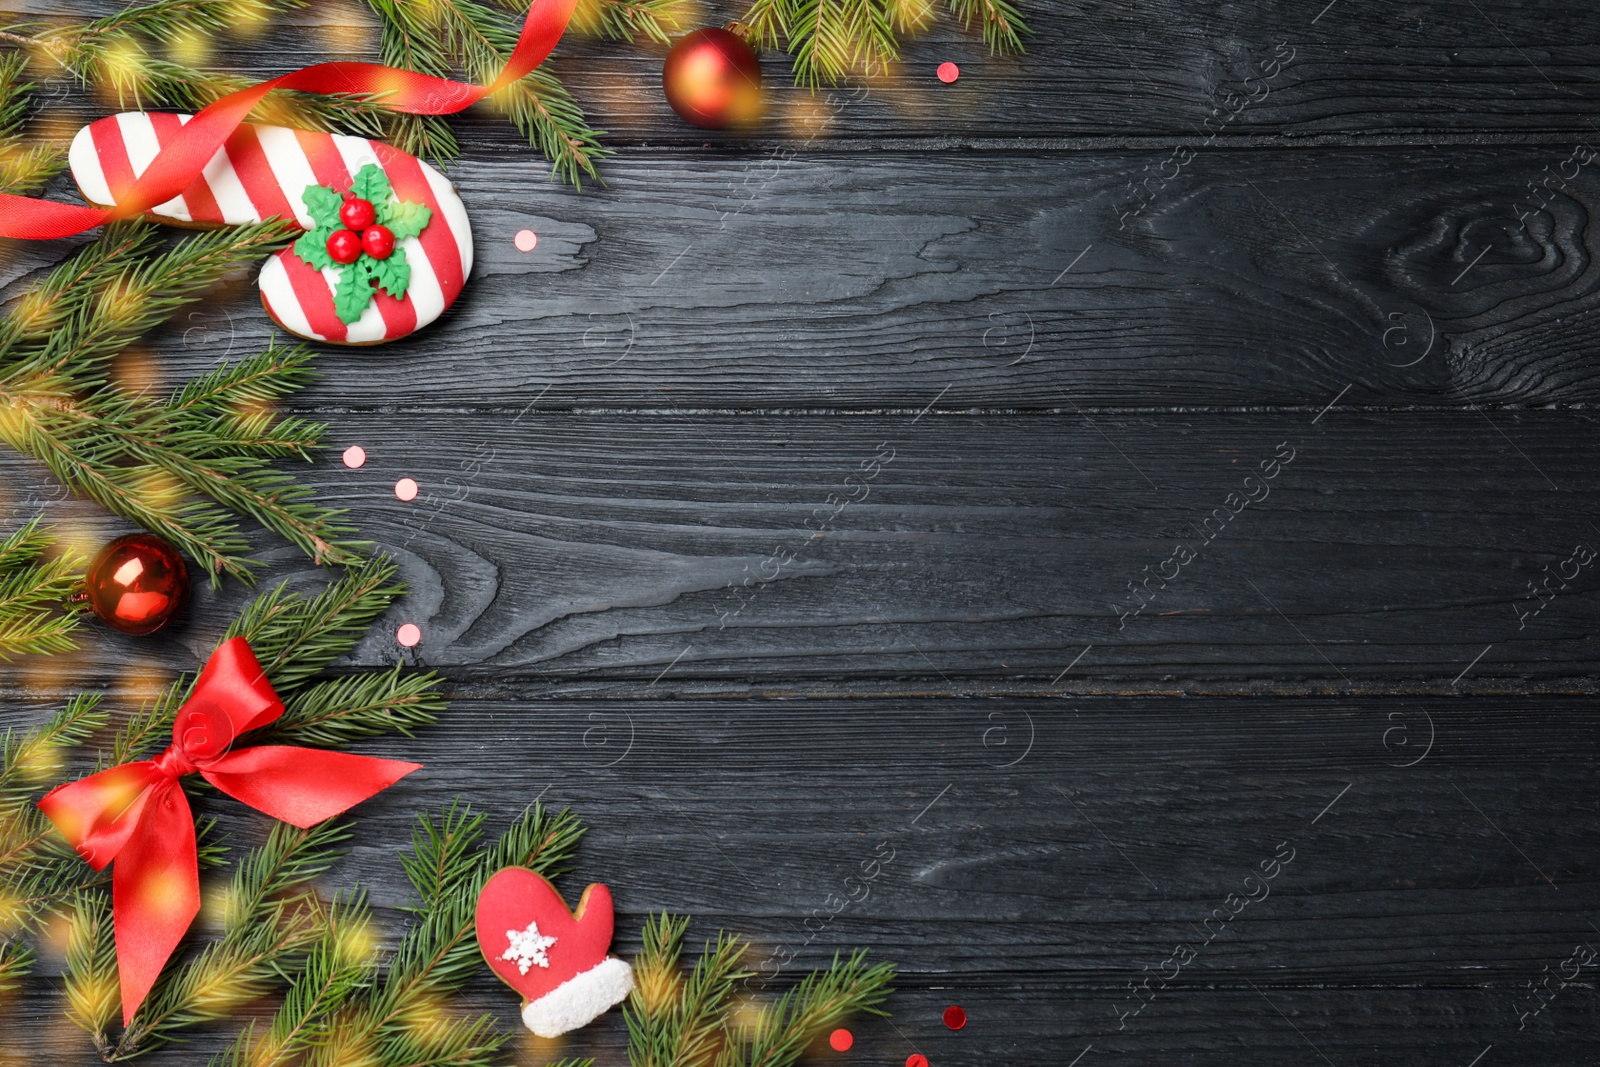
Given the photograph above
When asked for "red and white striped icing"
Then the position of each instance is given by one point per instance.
(261, 172)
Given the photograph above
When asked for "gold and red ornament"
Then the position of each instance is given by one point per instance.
(557, 959)
(136, 818)
(393, 274)
(136, 584)
(713, 79)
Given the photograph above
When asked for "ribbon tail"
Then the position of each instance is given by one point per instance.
(155, 893)
(303, 786)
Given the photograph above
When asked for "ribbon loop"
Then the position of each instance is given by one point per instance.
(136, 814)
(181, 160)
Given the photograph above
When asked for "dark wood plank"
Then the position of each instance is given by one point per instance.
(1098, 73)
(1043, 855)
(1394, 553)
(1255, 279)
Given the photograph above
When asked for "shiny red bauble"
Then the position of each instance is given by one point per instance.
(713, 80)
(378, 242)
(344, 246)
(358, 214)
(137, 584)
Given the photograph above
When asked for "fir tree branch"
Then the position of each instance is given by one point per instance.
(432, 36)
(22, 169)
(294, 636)
(114, 56)
(1002, 22)
(15, 962)
(673, 1021)
(38, 873)
(821, 1001)
(626, 20)
(342, 710)
(174, 468)
(447, 869)
(92, 990)
(32, 595)
(830, 38)
(271, 917)
(338, 966)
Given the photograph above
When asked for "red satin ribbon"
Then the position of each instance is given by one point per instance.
(137, 815)
(180, 162)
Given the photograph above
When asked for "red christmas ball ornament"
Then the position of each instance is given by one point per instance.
(344, 246)
(358, 214)
(378, 242)
(137, 584)
(712, 79)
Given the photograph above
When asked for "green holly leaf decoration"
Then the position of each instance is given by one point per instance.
(371, 183)
(356, 283)
(312, 246)
(323, 204)
(405, 218)
(354, 291)
(393, 275)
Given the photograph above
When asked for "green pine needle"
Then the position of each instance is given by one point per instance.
(295, 636)
(32, 594)
(822, 1000)
(271, 920)
(92, 993)
(437, 36)
(177, 468)
(1002, 22)
(339, 966)
(829, 39)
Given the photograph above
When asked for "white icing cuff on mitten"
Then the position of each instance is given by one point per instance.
(580, 999)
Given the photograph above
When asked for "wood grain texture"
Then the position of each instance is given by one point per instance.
(1003, 281)
(1095, 72)
(1040, 856)
(680, 553)
(1076, 298)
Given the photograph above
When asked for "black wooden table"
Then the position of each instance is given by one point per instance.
(1139, 492)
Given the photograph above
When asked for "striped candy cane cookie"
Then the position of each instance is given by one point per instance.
(264, 171)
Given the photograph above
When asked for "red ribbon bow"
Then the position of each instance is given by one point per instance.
(180, 162)
(137, 815)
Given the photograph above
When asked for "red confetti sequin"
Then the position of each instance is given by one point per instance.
(409, 634)
(955, 1017)
(526, 240)
(406, 489)
(948, 72)
(916, 1059)
(841, 1040)
(355, 456)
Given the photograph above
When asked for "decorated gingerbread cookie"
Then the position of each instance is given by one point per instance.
(557, 959)
(349, 279)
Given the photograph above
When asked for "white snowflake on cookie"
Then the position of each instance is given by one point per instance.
(527, 947)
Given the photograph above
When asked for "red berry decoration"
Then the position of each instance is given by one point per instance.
(344, 246)
(137, 584)
(712, 79)
(358, 214)
(378, 242)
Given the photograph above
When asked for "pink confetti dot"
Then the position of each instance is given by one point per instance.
(406, 489)
(948, 72)
(355, 456)
(916, 1059)
(409, 635)
(841, 1040)
(955, 1017)
(526, 240)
